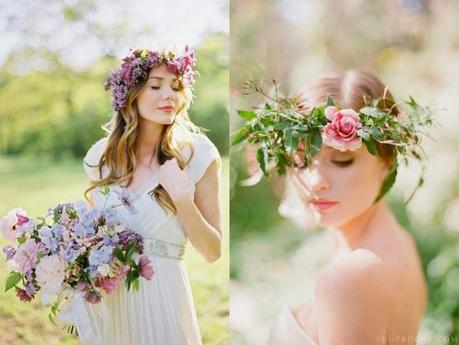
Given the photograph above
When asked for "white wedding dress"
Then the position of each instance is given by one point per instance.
(162, 311)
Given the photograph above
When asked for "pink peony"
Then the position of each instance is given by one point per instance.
(22, 219)
(146, 268)
(341, 132)
(26, 254)
(16, 216)
(83, 286)
(50, 275)
(93, 297)
(108, 284)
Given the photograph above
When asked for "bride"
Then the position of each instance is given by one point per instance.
(373, 290)
(158, 165)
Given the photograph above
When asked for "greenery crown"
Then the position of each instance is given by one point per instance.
(280, 124)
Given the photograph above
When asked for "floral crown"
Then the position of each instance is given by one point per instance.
(278, 126)
(136, 66)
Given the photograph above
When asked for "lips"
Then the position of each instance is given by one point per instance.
(167, 108)
(322, 204)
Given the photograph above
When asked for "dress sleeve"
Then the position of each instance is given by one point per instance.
(205, 153)
(92, 158)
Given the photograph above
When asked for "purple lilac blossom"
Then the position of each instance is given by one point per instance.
(136, 66)
(9, 252)
(127, 236)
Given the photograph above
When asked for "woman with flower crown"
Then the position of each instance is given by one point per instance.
(339, 144)
(156, 162)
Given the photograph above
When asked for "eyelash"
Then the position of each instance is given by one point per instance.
(157, 88)
(343, 164)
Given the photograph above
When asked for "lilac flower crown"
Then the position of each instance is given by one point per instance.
(278, 127)
(138, 64)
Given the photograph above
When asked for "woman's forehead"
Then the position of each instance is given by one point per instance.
(161, 72)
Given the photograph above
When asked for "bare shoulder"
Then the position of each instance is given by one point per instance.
(353, 300)
(360, 280)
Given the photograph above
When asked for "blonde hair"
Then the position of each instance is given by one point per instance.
(119, 155)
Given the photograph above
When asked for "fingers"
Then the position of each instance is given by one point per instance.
(171, 162)
(300, 187)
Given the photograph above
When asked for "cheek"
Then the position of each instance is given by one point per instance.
(359, 181)
(147, 102)
(357, 187)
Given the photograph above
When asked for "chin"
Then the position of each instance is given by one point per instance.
(325, 221)
(161, 119)
(328, 219)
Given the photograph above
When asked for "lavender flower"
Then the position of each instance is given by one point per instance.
(9, 252)
(72, 252)
(100, 256)
(125, 198)
(83, 231)
(30, 289)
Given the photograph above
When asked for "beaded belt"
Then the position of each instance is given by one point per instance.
(163, 249)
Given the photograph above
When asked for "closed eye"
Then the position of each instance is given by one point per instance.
(158, 87)
(343, 164)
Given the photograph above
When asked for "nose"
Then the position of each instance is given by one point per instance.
(316, 178)
(169, 93)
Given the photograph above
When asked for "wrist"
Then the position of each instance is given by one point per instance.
(183, 200)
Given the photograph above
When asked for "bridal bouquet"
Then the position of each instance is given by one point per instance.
(72, 249)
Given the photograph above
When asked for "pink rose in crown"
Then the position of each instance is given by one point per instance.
(341, 132)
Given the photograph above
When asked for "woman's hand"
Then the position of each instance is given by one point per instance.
(175, 181)
(198, 211)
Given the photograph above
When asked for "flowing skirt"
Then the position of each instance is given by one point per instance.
(161, 312)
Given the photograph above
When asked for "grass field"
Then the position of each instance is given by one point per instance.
(36, 184)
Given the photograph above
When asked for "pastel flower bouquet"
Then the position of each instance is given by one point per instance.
(74, 249)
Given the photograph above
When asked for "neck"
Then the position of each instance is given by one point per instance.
(351, 235)
(149, 135)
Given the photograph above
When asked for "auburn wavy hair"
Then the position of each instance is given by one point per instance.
(119, 155)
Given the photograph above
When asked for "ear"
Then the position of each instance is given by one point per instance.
(386, 167)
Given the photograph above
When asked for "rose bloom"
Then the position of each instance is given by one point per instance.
(341, 132)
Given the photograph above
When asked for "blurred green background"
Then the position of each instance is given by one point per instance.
(54, 58)
(413, 46)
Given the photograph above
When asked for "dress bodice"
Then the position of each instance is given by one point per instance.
(151, 221)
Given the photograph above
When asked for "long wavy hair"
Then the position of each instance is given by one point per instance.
(120, 157)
